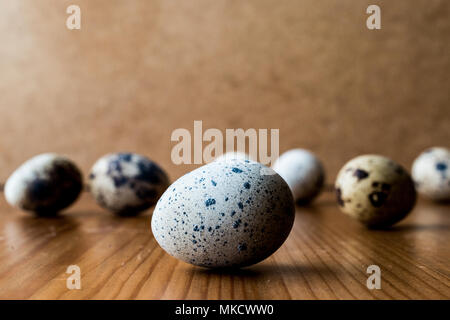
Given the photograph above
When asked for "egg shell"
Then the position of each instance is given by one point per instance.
(228, 156)
(127, 183)
(431, 173)
(45, 184)
(224, 214)
(303, 172)
(375, 190)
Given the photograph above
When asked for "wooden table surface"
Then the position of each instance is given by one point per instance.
(325, 257)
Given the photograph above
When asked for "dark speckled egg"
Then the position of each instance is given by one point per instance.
(45, 184)
(127, 183)
(375, 190)
(224, 214)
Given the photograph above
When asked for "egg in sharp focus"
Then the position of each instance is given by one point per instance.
(45, 184)
(375, 190)
(431, 173)
(224, 214)
(303, 172)
(127, 183)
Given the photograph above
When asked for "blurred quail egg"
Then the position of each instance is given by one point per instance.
(431, 173)
(45, 184)
(303, 172)
(127, 183)
(375, 190)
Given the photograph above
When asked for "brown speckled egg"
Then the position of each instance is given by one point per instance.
(375, 190)
(224, 214)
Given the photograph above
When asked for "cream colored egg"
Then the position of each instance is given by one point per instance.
(375, 190)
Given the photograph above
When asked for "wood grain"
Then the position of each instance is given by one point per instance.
(325, 257)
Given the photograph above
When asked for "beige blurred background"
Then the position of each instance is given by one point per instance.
(137, 70)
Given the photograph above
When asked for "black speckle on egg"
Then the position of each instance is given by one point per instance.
(339, 197)
(125, 156)
(242, 247)
(120, 181)
(247, 185)
(39, 189)
(210, 202)
(148, 171)
(440, 166)
(377, 198)
(360, 174)
(236, 170)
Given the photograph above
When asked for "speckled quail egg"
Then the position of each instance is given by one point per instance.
(375, 190)
(224, 214)
(45, 184)
(127, 183)
(303, 172)
(431, 173)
